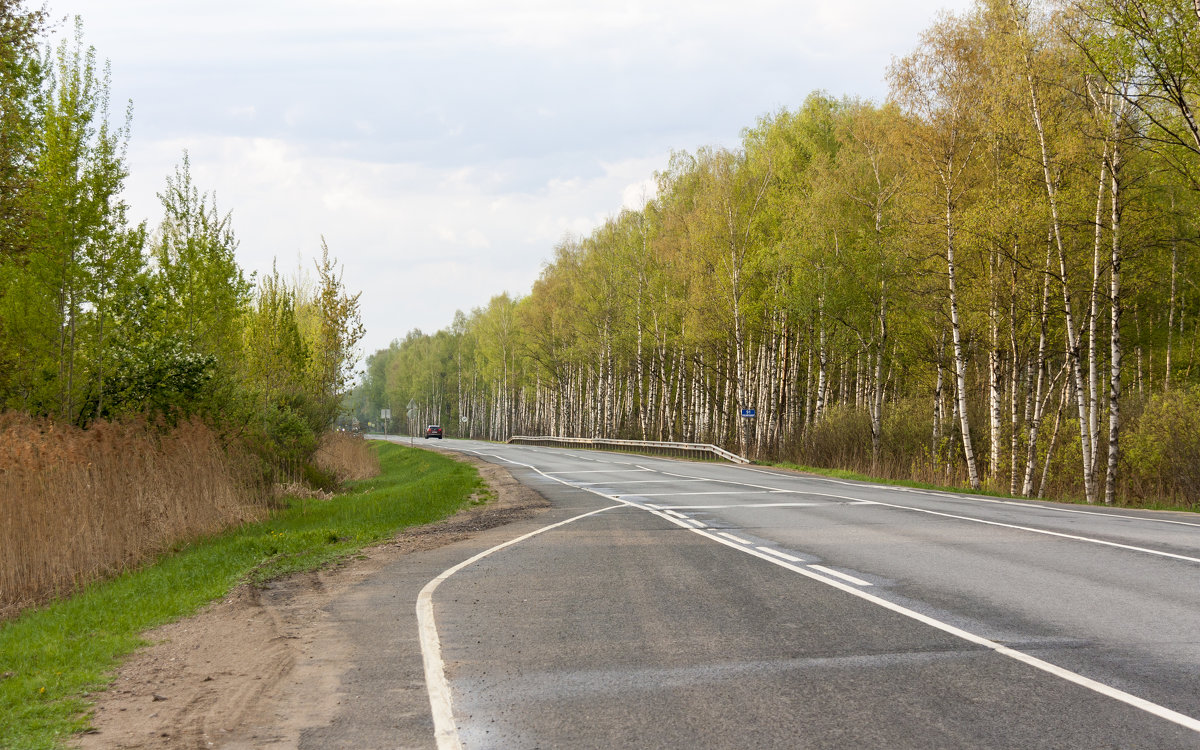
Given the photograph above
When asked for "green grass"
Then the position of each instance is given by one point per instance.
(53, 657)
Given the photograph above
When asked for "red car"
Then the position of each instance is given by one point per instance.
(433, 430)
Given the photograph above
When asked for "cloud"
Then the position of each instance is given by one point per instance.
(419, 241)
(443, 146)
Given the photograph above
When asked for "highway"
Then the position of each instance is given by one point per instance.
(665, 603)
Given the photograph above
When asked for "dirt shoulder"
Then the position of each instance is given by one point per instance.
(258, 667)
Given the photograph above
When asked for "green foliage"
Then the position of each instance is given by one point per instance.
(161, 378)
(57, 320)
(1163, 450)
(901, 288)
(196, 271)
(60, 653)
(100, 318)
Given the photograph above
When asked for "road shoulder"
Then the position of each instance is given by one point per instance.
(270, 667)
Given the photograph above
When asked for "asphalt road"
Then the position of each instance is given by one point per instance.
(682, 604)
(662, 603)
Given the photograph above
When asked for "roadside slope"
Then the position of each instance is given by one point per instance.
(264, 665)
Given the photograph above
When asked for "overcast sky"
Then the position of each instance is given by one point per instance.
(443, 147)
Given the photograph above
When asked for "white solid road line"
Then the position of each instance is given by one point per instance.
(1030, 529)
(585, 471)
(976, 498)
(686, 494)
(445, 730)
(737, 539)
(1059, 534)
(739, 506)
(1086, 682)
(633, 481)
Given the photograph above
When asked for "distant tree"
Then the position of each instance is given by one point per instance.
(333, 346)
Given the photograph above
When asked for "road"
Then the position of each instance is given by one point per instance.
(664, 603)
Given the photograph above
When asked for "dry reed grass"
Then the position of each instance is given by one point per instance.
(78, 505)
(347, 456)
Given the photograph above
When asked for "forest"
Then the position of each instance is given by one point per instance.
(102, 318)
(151, 391)
(987, 280)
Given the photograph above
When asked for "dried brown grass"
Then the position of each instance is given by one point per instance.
(81, 505)
(347, 456)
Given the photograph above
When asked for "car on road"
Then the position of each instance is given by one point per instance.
(433, 430)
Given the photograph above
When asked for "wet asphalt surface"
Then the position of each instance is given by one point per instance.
(709, 605)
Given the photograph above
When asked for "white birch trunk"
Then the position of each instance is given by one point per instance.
(960, 365)
(1114, 392)
(1072, 342)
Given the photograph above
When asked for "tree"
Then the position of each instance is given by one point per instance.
(203, 292)
(937, 86)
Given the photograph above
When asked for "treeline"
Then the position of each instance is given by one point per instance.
(102, 318)
(989, 279)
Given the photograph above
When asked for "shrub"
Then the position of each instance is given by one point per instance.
(1162, 447)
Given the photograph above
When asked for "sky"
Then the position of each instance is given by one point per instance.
(443, 148)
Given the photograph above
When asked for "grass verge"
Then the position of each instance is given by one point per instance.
(52, 658)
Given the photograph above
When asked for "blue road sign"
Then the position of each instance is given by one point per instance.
(748, 413)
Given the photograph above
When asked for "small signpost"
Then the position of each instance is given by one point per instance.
(412, 418)
(749, 413)
(385, 415)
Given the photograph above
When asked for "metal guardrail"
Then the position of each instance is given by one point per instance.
(640, 446)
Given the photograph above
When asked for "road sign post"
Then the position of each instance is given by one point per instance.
(412, 422)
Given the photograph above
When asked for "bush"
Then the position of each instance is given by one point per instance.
(1162, 447)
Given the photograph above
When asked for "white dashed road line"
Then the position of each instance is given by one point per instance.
(843, 576)
(439, 689)
(780, 555)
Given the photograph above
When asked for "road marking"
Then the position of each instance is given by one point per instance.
(635, 481)
(781, 555)
(737, 539)
(1046, 532)
(685, 494)
(674, 513)
(726, 481)
(843, 576)
(973, 498)
(444, 728)
(1059, 534)
(586, 471)
(1086, 682)
(1019, 504)
(750, 505)
(1065, 674)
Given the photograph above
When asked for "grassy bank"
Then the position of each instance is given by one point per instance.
(51, 658)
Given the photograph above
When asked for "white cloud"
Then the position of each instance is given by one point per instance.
(443, 146)
(419, 242)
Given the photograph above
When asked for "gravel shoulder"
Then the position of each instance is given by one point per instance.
(269, 667)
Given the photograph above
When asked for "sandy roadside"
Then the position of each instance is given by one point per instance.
(266, 656)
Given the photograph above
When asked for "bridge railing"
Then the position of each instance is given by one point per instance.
(652, 447)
